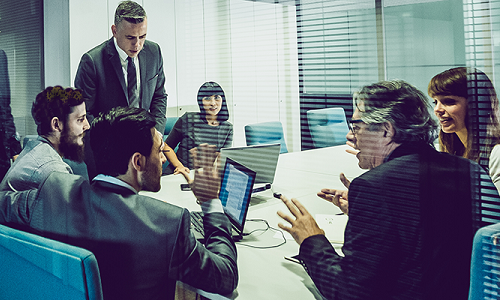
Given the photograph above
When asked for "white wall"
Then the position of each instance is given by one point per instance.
(249, 48)
(57, 58)
(423, 40)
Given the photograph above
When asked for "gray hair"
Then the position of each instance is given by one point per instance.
(402, 105)
(129, 11)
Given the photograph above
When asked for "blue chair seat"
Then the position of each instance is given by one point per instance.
(34, 267)
(168, 127)
(485, 264)
(328, 126)
(265, 133)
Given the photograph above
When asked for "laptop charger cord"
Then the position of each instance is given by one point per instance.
(268, 227)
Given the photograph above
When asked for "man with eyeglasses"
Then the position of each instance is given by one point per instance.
(412, 217)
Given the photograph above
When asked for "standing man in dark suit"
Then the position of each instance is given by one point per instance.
(9, 143)
(126, 70)
(412, 216)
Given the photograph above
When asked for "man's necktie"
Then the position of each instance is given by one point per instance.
(133, 100)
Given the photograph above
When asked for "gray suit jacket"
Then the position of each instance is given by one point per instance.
(100, 76)
(142, 245)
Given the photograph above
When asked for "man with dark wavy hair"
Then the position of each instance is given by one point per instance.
(142, 245)
(60, 116)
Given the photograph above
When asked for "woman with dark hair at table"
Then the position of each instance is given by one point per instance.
(209, 126)
(466, 105)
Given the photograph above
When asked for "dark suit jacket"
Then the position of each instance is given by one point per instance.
(142, 245)
(9, 145)
(101, 78)
(410, 230)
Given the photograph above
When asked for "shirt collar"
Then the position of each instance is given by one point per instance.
(46, 141)
(121, 53)
(114, 180)
(409, 148)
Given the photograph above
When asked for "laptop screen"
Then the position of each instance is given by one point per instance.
(236, 191)
(263, 159)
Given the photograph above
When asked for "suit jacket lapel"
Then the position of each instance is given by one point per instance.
(143, 62)
(114, 59)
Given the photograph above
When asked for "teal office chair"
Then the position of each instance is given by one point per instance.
(34, 267)
(485, 264)
(168, 127)
(28, 138)
(328, 126)
(266, 133)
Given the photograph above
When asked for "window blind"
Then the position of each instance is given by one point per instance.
(337, 45)
(21, 37)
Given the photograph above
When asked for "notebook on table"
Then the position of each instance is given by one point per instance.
(235, 194)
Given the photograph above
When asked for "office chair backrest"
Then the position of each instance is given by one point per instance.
(485, 264)
(265, 133)
(34, 267)
(328, 126)
(169, 125)
(29, 137)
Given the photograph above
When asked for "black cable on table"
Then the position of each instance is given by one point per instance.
(260, 229)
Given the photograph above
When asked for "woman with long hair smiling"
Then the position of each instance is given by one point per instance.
(466, 105)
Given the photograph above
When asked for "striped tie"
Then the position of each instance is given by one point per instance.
(133, 100)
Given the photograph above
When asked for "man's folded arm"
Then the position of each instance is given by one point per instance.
(15, 206)
(212, 267)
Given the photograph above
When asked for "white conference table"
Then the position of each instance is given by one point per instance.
(264, 273)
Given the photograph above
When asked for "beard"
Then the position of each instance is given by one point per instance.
(151, 178)
(69, 146)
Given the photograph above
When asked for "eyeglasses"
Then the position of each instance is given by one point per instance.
(352, 125)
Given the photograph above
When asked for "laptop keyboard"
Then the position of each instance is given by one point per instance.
(197, 225)
(197, 221)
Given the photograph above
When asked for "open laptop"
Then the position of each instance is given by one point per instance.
(263, 159)
(235, 194)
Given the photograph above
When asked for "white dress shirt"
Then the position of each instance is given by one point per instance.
(124, 62)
